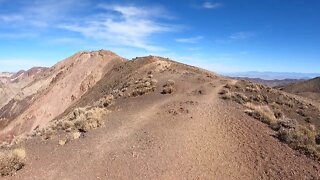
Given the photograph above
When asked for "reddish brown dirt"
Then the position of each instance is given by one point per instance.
(189, 134)
(55, 90)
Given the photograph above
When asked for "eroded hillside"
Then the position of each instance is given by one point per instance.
(53, 91)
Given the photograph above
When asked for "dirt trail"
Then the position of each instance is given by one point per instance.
(182, 136)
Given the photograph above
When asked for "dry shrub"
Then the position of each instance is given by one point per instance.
(225, 94)
(168, 88)
(105, 101)
(11, 161)
(251, 87)
(153, 82)
(278, 113)
(228, 86)
(170, 82)
(141, 91)
(262, 113)
(240, 98)
(258, 98)
(318, 139)
(288, 123)
(223, 91)
(85, 125)
(81, 119)
(300, 138)
(143, 86)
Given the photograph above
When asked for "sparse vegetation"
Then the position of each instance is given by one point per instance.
(225, 94)
(262, 113)
(275, 109)
(169, 87)
(300, 138)
(81, 119)
(240, 98)
(11, 161)
(143, 86)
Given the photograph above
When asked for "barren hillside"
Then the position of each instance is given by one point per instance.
(153, 118)
(12, 84)
(55, 90)
(309, 88)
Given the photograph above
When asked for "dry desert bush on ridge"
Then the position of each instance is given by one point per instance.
(294, 121)
(11, 161)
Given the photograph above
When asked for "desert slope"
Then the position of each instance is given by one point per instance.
(309, 88)
(12, 84)
(56, 89)
(160, 120)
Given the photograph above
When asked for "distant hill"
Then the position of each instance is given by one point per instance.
(309, 88)
(12, 84)
(271, 83)
(273, 75)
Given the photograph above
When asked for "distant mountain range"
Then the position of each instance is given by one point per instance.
(271, 83)
(273, 75)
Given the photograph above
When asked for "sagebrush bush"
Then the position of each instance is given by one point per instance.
(11, 161)
(168, 88)
(240, 98)
(300, 138)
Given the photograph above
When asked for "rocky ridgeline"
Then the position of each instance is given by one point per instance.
(83, 119)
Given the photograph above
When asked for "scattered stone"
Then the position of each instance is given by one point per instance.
(62, 142)
(76, 135)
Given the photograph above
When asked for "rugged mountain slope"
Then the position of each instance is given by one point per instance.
(159, 119)
(56, 89)
(12, 84)
(309, 88)
(4, 76)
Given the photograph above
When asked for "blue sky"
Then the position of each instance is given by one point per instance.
(223, 36)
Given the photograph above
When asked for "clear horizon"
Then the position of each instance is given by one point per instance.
(222, 36)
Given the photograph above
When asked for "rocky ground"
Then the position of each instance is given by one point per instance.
(152, 118)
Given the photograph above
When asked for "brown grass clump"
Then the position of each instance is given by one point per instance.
(262, 113)
(11, 161)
